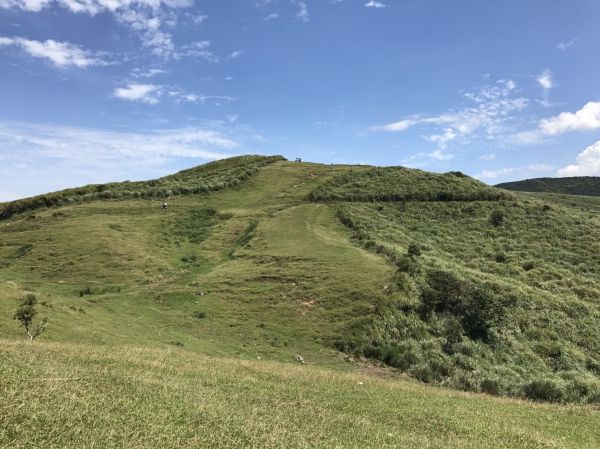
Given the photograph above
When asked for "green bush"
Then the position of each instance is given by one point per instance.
(544, 390)
(414, 250)
(496, 217)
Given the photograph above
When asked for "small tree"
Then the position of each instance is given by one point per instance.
(25, 314)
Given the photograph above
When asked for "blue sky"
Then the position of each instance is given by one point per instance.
(101, 90)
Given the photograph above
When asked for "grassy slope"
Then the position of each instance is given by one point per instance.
(578, 185)
(275, 276)
(82, 396)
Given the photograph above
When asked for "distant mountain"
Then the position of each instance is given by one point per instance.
(578, 185)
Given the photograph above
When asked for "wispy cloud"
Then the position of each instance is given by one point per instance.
(74, 155)
(375, 4)
(302, 15)
(271, 16)
(545, 80)
(152, 93)
(566, 45)
(61, 54)
(145, 93)
(147, 18)
(493, 106)
(528, 170)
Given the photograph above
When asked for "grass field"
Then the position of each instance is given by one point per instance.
(178, 327)
(57, 395)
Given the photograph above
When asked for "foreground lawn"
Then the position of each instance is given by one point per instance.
(56, 395)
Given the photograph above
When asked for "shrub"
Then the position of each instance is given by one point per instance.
(407, 264)
(414, 250)
(443, 292)
(500, 257)
(496, 217)
(544, 390)
(199, 315)
(529, 265)
(491, 386)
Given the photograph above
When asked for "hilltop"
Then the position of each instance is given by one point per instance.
(390, 282)
(577, 185)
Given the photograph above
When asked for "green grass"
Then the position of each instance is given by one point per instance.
(199, 180)
(541, 266)
(73, 395)
(365, 184)
(178, 327)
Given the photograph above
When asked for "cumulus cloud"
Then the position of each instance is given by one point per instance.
(586, 119)
(375, 4)
(587, 163)
(61, 54)
(492, 110)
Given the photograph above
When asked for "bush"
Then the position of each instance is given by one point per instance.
(544, 390)
(414, 250)
(500, 257)
(199, 315)
(529, 265)
(443, 292)
(491, 386)
(496, 217)
(407, 264)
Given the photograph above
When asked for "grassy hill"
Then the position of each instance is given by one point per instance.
(178, 327)
(577, 185)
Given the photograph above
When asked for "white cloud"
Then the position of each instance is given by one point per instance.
(545, 79)
(375, 4)
(587, 163)
(493, 109)
(236, 54)
(145, 17)
(148, 73)
(401, 125)
(586, 119)
(37, 158)
(302, 14)
(271, 16)
(528, 170)
(152, 93)
(566, 45)
(30, 143)
(440, 156)
(61, 54)
(198, 49)
(145, 93)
